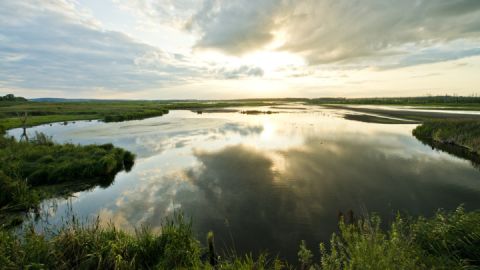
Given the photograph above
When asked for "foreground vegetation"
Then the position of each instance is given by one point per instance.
(445, 241)
(27, 168)
(464, 133)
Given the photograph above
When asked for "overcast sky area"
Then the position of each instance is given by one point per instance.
(214, 49)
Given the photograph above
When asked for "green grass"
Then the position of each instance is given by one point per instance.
(445, 102)
(14, 122)
(90, 246)
(445, 241)
(27, 167)
(464, 133)
(125, 116)
(47, 112)
(108, 111)
(448, 240)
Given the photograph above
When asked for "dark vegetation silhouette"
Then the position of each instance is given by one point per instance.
(12, 98)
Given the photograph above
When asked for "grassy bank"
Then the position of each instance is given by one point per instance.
(46, 112)
(27, 168)
(464, 133)
(445, 241)
(444, 102)
(126, 116)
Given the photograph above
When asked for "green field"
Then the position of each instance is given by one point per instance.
(11, 112)
(427, 102)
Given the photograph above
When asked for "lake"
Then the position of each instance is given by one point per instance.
(264, 182)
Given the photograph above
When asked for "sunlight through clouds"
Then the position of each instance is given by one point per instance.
(237, 49)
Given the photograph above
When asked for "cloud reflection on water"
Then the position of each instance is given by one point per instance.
(270, 208)
(268, 180)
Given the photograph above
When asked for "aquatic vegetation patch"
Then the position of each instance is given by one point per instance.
(464, 133)
(28, 166)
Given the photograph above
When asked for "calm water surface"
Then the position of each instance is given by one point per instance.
(264, 182)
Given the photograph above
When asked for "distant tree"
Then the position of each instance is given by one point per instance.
(11, 97)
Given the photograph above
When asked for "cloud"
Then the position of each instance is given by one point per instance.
(50, 46)
(59, 47)
(337, 31)
(236, 26)
(170, 12)
(240, 72)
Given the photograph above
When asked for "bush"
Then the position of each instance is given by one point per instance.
(366, 246)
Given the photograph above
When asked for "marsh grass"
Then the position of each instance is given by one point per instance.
(448, 240)
(26, 168)
(446, 102)
(77, 245)
(134, 115)
(108, 111)
(464, 133)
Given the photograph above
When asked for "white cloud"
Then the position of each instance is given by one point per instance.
(52, 46)
(184, 47)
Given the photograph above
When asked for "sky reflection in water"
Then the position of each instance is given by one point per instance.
(264, 182)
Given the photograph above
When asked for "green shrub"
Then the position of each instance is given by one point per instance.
(365, 246)
(453, 238)
(446, 241)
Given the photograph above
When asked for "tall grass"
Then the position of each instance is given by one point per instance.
(24, 166)
(90, 246)
(465, 133)
(448, 240)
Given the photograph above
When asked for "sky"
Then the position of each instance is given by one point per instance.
(214, 49)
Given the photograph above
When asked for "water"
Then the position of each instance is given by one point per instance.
(265, 182)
